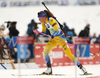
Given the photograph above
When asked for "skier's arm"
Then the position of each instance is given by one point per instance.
(53, 22)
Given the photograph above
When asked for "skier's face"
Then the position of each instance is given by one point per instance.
(42, 19)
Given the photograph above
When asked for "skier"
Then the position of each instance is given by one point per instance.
(50, 23)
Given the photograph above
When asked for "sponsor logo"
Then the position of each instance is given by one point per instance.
(91, 46)
(97, 46)
(56, 54)
(84, 62)
(66, 63)
(37, 47)
(44, 65)
(55, 64)
(60, 64)
(37, 56)
(90, 62)
(97, 62)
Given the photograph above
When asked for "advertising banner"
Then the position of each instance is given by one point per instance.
(13, 42)
(59, 58)
(88, 2)
(82, 50)
(25, 47)
(12, 3)
(81, 40)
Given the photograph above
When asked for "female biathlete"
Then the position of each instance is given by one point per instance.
(48, 22)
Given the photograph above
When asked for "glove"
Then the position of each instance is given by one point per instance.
(52, 36)
(36, 31)
(68, 38)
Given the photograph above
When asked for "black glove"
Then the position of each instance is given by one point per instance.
(52, 36)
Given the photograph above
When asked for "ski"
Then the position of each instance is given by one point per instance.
(52, 74)
(39, 75)
(86, 74)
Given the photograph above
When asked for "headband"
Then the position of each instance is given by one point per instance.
(43, 14)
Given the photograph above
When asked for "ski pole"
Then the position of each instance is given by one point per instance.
(94, 54)
(3, 66)
(36, 31)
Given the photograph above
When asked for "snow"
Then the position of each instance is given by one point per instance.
(75, 16)
(65, 71)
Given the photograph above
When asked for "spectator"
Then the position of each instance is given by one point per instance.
(65, 27)
(32, 26)
(94, 35)
(13, 51)
(69, 32)
(74, 34)
(93, 38)
(2, 28)
(3, 54)
(12, 30)
(7, 40)
(97, 40)
(85, 32)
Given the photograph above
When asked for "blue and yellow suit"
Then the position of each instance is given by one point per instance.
(56, 33)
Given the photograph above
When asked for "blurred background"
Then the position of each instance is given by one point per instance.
(76, 13)
(80, 18)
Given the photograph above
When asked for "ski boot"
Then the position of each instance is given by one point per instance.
(48, 71)
(84, 70)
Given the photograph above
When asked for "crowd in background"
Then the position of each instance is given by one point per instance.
(85, 32)
(13, 31)
(6, 38)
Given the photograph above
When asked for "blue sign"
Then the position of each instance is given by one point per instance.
(25, 47)
(25, 51)
(22, 51)
(82, 50)
(13, 42)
